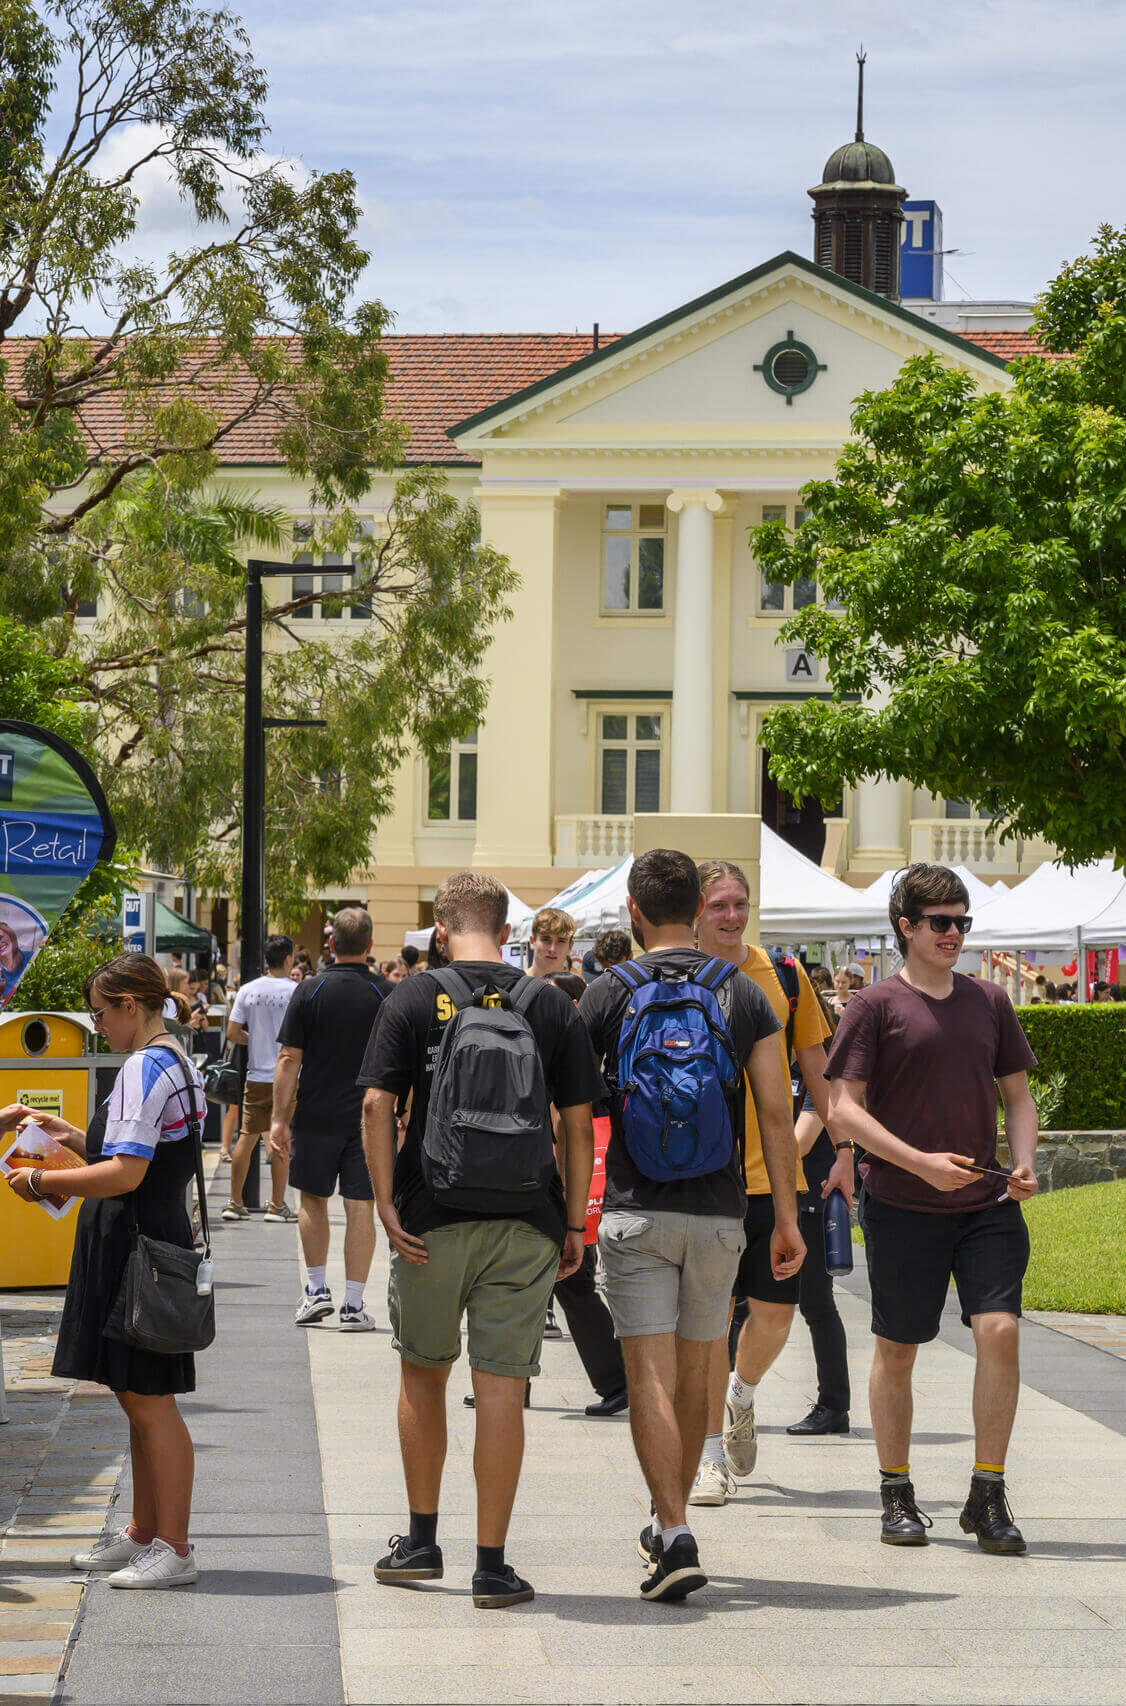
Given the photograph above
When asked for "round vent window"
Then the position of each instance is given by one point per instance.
(789, 367)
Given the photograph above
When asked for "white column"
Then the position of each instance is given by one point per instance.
(692, 742)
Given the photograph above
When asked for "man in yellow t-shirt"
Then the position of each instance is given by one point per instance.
(731, 1446)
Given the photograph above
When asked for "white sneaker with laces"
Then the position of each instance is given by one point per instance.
(280, 1214)
(713, 1484)
(235, 1211)
(158, 1566)
(314, 1306)
(108, 1553)
(740, 1440)
(355, 1320)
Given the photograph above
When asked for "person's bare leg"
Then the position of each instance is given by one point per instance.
(240, 1162)
(167, 1448)
(498, 1451)
(230, 1122)
(718, 1362)
(143, 1524)
(651, 1376)
(359, 1238)
(422, 1433)
(279, 1178)
(890, 1402)
(996, 1383)
(312, 1225)
(694, 1360)
(761, 1342)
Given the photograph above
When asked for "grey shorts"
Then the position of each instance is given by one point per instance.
(496, 1273)
(669, 1273)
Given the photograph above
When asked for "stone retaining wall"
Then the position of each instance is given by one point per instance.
(1066, 1158)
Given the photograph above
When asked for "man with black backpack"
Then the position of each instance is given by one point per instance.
(478, 1220)
(731, 1445)
(677, 1030)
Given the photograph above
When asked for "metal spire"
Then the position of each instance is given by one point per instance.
(861, 61)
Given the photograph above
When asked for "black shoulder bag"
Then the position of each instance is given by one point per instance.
(163, 1311)
(223, 1078)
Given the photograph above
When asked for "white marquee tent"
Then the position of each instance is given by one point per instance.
(1055, 907)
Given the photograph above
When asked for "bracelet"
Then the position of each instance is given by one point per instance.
(576, 1229)
(837, 1147)
(34, 1182)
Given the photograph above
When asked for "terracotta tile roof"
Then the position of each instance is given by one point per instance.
(436, 381)
(1008, 345)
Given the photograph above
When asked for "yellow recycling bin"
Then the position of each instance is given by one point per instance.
(44, 1063)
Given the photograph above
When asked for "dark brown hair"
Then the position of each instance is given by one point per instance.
(569, 982)
(923, 885)
(665, 886)
(469, 901)
(136, 975)
(611, 947)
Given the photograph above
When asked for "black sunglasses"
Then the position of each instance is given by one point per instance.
(941, 922)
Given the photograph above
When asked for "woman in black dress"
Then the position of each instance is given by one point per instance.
(138, 1143)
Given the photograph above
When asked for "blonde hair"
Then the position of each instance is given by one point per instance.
(713, 870)
(550, 921)
(471, 900)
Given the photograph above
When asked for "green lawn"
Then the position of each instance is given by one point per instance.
(1078, 1249)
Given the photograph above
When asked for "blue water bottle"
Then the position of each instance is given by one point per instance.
(838, 1234)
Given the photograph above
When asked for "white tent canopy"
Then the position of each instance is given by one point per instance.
(1054, 907)
(798, 900)
(518, 913)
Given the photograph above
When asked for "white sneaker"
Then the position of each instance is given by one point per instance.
(314, 1306)
(280, 1214)
(235, 1211)
(108, 1553)
(713, 1484)
(158, 1566)
(740, 1440)
(355, 1320)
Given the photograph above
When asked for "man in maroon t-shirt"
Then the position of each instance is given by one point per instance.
(915, 1067)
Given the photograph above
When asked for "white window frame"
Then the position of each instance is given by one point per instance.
(318, 571)
(598, 710)
(458, 749)
(635, 534)
(793, 514)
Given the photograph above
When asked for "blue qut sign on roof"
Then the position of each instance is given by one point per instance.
(920, 255)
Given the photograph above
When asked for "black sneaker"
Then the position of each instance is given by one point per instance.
(407, 1563)
(493, 1590)
(647, 1544)
(987, 1515)
(610, 1406)
(821, 1420)
(675, 1573)
(903, 1524)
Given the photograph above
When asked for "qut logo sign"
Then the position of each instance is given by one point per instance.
(920, 253)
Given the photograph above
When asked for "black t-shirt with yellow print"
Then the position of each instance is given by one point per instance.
(401, 1056)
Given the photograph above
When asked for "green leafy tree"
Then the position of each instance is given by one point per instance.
(110, 441)
(978, 544)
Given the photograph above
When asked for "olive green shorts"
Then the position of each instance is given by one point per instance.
(496, 1273)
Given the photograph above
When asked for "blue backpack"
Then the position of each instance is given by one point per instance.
(676, 1071)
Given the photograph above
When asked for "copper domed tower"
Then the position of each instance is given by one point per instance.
(858, 211)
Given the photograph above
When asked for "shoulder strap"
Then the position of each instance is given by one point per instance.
(715, 974)
(631, 974)
(787, 974)
(455, 986)
(197, 1145)
(522, 994)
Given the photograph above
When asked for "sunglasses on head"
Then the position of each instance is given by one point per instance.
(941, 922)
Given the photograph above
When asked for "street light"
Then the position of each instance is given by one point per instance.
(252, 910)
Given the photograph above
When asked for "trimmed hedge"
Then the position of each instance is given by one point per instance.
(1088, 1045)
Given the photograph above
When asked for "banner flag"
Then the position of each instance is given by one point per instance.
(55, 826)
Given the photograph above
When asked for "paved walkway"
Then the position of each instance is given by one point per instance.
(300, 1485)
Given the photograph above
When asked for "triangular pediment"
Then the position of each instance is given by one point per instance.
(702, 375)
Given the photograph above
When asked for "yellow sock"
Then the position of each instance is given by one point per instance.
(993, 1471)
(887, 1474)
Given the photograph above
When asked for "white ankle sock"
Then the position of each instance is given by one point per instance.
(740, 1393)
(317, 1278)
(713, 1449)
(354, 1294)
(668, 1535)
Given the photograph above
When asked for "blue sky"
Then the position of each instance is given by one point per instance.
(536, 166)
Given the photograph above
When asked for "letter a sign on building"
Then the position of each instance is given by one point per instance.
(55, 826)
(802, 668)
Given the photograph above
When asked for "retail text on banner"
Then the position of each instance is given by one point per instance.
(55, 826)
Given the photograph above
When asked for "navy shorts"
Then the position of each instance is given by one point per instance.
(755, 1278)
(912, 1257)
(316, 1163)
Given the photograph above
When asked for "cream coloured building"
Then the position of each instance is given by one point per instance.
(644, 651)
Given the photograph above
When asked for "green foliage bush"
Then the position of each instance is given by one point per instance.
(1088, 1046)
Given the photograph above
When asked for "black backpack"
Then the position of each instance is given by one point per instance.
(488, 1143)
